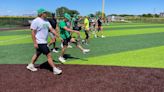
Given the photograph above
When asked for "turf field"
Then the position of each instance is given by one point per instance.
(129, 59)
(126, 44)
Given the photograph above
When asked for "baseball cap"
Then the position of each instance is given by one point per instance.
(67, 16)
(41, 11)
(53, 14)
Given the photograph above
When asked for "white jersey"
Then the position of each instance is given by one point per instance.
(41, 27)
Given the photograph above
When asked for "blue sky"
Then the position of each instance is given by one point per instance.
(85, 7)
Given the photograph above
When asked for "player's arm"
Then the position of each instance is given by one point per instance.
(53, 31)
(70, 30)
(57, 29)
(34, 38)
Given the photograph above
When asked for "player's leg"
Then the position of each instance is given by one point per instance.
(54, 46)
(51, 63)
(33, 60)
(35, 57)
(53, 41)
(47, 52)
(98, 31)
(95, 32)
(87, 36)
(101, 31)
(64, 47)
(79, 46)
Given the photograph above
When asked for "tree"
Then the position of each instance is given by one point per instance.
(49, 14)
(72, 12)
(99, 13)
(156, 15)
(60, 11)
(147, 15)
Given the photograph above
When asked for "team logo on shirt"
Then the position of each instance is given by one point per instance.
(45, 25)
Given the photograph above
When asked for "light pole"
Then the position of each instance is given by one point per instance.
(103, 4)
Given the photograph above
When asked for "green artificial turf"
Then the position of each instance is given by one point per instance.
(126, 44)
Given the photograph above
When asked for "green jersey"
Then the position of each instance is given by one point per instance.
(64, 34)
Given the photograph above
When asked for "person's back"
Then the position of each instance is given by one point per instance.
(53, 22)
(63, 33)
(99, 21)
(86, 23)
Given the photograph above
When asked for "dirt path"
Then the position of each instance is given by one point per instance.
(78, 78)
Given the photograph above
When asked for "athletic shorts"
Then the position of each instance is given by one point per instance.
(42, 49)
(99, 28)
(94, 25)
(66, 41)
(77, 28)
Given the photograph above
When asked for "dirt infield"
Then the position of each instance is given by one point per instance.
(77, 78)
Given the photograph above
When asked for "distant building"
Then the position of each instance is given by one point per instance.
(116, 18)
(162, 14)
(108, 18)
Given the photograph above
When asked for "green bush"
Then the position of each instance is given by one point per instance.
(17, 21)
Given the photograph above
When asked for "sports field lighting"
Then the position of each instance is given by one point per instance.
(103, 4)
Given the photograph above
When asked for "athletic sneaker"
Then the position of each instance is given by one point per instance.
(83, 41)
(86, 44)
(48, 46)
(57, 71)
(86, 51)
(62, 59)
(69, 46)
(61, 45)
(54, 50)
(102, 36)
(95, 36)
(31, 67)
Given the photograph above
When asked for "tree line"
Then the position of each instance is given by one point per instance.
(149, 15)
(61, 10)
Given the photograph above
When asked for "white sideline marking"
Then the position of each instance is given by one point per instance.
(14, 39)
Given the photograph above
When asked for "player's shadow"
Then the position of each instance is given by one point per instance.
(68, 56)
(46, 66)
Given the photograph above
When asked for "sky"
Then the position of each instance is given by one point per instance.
(85, 7)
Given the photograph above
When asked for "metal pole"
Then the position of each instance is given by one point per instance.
(103, 4)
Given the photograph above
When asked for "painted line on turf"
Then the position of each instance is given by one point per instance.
(20, 38)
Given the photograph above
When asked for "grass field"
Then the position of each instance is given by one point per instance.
(126, 44)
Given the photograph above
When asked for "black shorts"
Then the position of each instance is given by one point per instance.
(66, 41)
(42, 48)
(77, 28)
(94, 25)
